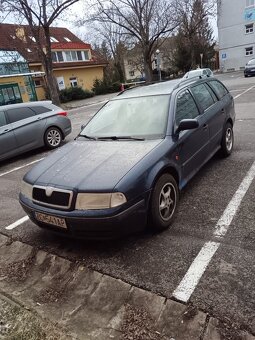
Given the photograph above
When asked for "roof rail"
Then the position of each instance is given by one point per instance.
(190, 80)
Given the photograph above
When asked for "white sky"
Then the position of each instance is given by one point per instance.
(70, 17)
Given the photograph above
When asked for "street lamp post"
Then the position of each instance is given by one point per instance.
(201, 57)
(158, 64)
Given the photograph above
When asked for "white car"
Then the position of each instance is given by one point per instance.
(200, 72)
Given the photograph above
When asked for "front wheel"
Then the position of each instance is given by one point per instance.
(164, 201)
(227, 142)
(53, 138)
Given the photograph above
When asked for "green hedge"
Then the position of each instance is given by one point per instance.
(74, 93)
(102, 87)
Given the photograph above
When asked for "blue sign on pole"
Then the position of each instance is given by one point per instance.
(249, 14)
(224, 56)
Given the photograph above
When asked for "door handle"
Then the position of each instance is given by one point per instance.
(6, 130)
(38, 118)
(222, 110)
(205, 126)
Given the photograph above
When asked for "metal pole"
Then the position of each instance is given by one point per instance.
(201, 56)
(158, 65)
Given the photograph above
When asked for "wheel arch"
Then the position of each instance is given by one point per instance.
(168, 169)
(230, 120)
(54, 126)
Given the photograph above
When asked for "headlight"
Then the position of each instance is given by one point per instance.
(99, 201)
(26, 189)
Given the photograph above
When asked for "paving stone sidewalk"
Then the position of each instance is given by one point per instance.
(44, 296)
(88, 101)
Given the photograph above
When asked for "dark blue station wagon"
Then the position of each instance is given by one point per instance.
(127, 166)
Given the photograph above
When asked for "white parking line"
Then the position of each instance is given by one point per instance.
(20, 167)
(195, 272)
(250, 88)
(188, 284)
(17, 223)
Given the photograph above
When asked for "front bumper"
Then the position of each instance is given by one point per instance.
(249, 72)
(80, 225)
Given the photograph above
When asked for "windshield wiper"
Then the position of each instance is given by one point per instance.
(86, 136)
(119, 138)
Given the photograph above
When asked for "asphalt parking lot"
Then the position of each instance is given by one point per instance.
(206, 258)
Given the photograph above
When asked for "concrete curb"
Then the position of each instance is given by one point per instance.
(74, 302)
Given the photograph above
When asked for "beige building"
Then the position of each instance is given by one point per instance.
(74, 63)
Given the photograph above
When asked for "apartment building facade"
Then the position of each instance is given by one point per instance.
(236, 29)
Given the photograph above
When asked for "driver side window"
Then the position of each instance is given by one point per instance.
(185, 107)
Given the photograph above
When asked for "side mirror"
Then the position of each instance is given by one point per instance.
(187, 124)
(82, 127)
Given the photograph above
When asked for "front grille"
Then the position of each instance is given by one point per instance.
(53, 197)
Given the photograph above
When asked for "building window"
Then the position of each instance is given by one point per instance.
(79, 55)
(248, 51)
(67, 56)
(37, 82)
(52, 39)
(249, 28)
(73, 82)
(250, 3)
(86, 55)
(74, 55)
(67, 39)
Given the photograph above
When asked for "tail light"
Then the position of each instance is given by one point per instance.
(62, 113)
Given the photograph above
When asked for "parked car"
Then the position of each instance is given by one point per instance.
(28, 126)
(125, 169)
(200, 72)
(250, 68)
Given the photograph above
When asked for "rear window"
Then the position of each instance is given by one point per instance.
(15, 115)
(251, 62)
(203, 96)
(2, 119)
(218, 88)
(40, 109)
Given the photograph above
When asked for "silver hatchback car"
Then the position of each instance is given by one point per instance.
(28, 126)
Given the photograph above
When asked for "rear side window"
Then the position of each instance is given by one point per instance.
(2, 119)
(203, 96)
(40, 109)
(186, 107)
(218, 88)
(19, 114)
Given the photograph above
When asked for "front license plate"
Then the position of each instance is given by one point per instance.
(53, 220)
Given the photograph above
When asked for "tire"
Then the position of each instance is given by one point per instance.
(227, 142)
(53, 138)
(164, 202)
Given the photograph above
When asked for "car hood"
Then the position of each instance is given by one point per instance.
(249, 67)
(89, 165)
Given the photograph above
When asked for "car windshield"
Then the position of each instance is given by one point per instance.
(251, 62)
(144, 117)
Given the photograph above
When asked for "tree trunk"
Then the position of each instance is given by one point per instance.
(147, 67)
(51, 80)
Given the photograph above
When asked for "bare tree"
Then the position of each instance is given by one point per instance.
(145, 21)
(40, 15)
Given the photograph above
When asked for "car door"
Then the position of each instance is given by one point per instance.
(27, 126)
(193, 145)
(214, 112)
(7, 139)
